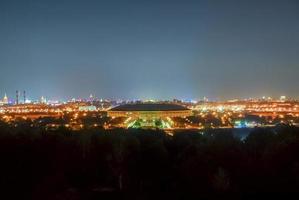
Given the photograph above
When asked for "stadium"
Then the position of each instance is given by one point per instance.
(148, 115)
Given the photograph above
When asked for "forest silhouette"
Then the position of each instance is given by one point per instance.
(146, 164)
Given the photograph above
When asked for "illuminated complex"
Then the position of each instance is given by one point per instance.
(109, 114)
(149, 114)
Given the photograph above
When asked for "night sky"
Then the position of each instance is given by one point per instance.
(149, 48)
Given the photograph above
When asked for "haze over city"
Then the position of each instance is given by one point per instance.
(149, 49)
(149, 99)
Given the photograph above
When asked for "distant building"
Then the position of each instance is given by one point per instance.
(283, 98)
(43, 100)
(5, 100)
(91, 97)
(87, 108)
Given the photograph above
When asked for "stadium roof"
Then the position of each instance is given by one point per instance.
(149, 107)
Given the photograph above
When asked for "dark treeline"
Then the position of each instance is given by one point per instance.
(146, 164)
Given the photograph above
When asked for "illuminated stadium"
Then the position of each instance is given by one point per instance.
(148, 115)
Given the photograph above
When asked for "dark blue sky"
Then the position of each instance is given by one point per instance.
(149, 48)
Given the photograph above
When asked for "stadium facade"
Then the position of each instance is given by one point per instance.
(149, 115)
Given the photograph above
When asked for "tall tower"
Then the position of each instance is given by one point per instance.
(17, 97)
(24, 96)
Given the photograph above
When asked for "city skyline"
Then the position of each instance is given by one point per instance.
(21, 97)
(149, 49)
(149, 99)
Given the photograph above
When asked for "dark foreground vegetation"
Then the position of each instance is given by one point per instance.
(146, 164)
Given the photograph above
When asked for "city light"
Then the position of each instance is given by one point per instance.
(76, 114)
